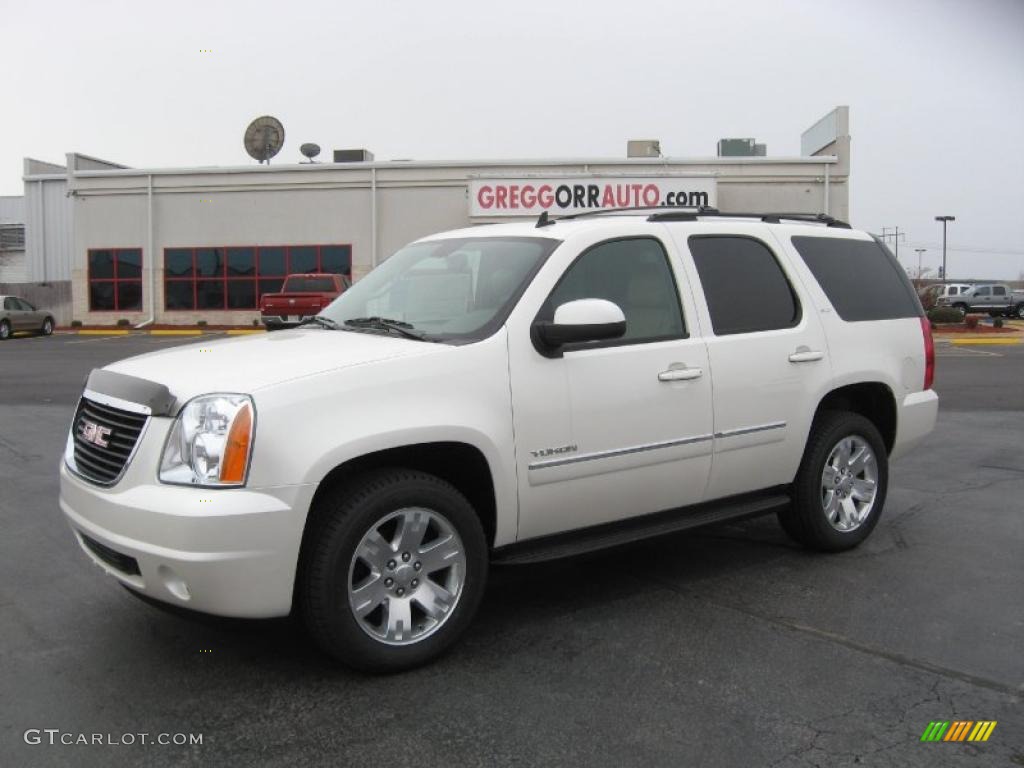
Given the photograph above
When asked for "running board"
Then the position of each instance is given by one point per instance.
(608, 535)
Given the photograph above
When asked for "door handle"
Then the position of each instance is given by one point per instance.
(680, 374)
(805, 355)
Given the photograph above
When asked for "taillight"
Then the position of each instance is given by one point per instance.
(929, 353)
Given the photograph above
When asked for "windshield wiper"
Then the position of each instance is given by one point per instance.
(323, 322)
(383, 323)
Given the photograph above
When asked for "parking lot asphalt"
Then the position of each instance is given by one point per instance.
(725, 647)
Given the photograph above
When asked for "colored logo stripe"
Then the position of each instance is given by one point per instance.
(958, 730)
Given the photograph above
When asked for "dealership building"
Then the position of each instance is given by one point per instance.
(103, 243)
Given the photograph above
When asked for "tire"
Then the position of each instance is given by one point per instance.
(340, 547)
(5, 330)
(962, 307)
(1018, 311)
(47, 329)
(821, 519)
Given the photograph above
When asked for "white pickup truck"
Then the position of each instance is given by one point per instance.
(506, 394)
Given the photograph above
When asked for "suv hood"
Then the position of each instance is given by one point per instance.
(249, 363)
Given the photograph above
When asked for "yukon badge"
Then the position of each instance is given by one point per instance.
(95, 434)
(553, 451)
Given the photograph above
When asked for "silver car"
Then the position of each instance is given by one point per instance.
(18, 315)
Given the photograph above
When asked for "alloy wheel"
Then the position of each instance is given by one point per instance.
(406, 576)
(849, 482)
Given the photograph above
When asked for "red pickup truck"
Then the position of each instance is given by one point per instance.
(301, 297)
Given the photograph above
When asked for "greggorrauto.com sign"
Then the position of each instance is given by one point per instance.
(564, 195)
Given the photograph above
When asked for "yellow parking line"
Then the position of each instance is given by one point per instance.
(176, 333)
(245, 331)
(103, 333)
(984, 341)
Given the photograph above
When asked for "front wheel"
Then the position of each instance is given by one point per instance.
(841, 485)
(1018, 311)
(47, 329)
(962, 307)
(5, 330)
(393, 570)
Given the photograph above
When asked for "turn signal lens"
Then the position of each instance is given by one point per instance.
(236, 452)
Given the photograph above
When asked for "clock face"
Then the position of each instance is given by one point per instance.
(264, 138)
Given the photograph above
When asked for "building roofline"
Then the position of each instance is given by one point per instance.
(664, 162)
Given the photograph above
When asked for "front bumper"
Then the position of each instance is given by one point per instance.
(228, 552)
(285, 321)
(915, 420)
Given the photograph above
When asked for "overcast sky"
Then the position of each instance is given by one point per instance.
(935, 89)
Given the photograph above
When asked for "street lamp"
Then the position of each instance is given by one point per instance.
(944, 220)
(919, 252)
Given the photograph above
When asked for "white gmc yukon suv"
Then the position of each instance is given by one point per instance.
(506, 394)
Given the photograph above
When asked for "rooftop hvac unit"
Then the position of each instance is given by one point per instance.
(352, 155)
(643, 148)
(741, 148)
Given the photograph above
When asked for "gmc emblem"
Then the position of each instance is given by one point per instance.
(95, 434)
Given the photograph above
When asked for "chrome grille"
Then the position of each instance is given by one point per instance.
(119, 429)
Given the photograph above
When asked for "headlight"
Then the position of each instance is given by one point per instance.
(210, 442)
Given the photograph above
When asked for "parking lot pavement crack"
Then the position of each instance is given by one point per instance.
(821, 634)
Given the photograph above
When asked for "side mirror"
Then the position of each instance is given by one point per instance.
(579, 321)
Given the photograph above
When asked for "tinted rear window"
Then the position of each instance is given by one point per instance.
(860, 278)
(309, 285)
(744, 285)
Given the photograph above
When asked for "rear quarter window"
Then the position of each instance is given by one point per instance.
(860, 278)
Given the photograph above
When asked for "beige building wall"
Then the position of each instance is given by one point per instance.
(334, 204)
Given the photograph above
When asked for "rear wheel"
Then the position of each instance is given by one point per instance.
(393, 570)
(840, 488)
(1019, 311)
(5, 330)
(962, 308)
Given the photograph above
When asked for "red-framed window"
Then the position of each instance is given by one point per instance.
(236, 276)
(115, 279)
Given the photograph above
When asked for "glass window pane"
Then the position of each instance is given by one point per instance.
(860, 278)
(635, 275)
(101, 265)
(745, 287)
(178, 294)
(302, 258)
(241, 294)
(209, 262)
(129, 263)
(129, 294)
(101, 296)
(336, 259)
(178, 262)
(241, 262)
(270, 286)
(209, 294)
(272, 262)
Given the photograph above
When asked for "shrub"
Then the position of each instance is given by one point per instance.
(76, 323)
(997, 323)
(946, 315)
(123, 321)
(201, 323)
(971, 321)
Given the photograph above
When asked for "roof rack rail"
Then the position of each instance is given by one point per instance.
(768, 218)
(701, 209)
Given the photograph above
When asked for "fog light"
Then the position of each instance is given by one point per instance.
(174, 583)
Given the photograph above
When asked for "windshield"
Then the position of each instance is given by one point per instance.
(308, 285)
(452, 290)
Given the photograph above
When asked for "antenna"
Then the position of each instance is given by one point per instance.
(310, 151)
(264, 138)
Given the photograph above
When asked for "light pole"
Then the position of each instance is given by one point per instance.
(919, 252)
(944, 220)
